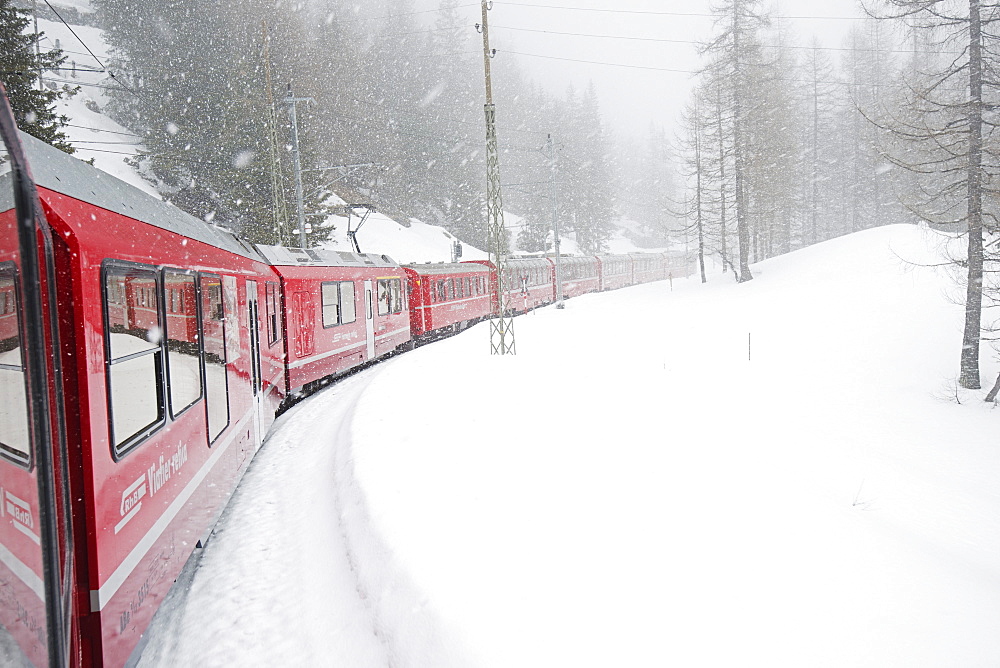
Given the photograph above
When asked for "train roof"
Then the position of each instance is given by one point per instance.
(60, 172)
(438, 268)
(280, 256)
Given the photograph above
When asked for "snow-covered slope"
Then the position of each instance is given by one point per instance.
(773, 473)
(92, 133)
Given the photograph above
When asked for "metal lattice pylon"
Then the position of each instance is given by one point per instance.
(279, 206)
(501, 324)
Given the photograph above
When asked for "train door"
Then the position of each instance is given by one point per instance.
(370, 319)
(255, 371)
(36, 548)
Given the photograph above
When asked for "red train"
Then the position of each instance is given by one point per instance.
(143, 356)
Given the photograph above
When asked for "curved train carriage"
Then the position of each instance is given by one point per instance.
(447, 297)
(143, 356)
(343, 309)
(167, 392)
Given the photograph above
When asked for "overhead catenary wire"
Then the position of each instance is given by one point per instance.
(92, 54)
(668, 13)
(701, 42)
(114, 132)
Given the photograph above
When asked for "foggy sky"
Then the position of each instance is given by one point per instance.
(631, 98)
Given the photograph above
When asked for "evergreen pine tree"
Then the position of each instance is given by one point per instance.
(34, 109)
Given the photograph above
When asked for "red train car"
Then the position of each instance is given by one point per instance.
(648, 267)
(580, 275)
(529, 282)
(343, 309)
(157, 398)
(447, 297)
(676, 265)
(616, 271)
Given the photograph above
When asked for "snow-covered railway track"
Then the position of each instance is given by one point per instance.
(282, 580)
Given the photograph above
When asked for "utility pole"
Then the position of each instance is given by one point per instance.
(555, 219)
(501, 324)
(291, 102)
(279, 210)
(38, 49)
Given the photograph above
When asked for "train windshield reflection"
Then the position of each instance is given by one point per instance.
(23, 635)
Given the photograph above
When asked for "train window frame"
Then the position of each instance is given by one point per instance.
(352, 301)
(344, 316)
(383, 291)
(166, 338)
(114, 267)
(21, 459)
(324, 305)
(395, 295)
(272, 312)
(201, 276)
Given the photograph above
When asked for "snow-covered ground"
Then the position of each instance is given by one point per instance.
(774, 473)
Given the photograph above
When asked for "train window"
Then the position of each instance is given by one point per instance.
(134, 353)
(339, 306)
(213, 341)
(442, 291)
(331, 304)
(396, 295)
(272, 313)
(384, 298)
(348, 305)
(14, 431)
(432, 286)
(183, 351)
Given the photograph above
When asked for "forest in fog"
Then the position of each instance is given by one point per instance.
(785, 142)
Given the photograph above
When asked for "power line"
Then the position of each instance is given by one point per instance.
(609, 11)
(76, 53)
(699, 43)
(661, 13)
(96, 141)
(92, 54)
(114, 132)
(169, 156)
(477, 124)
(423, 11)
(596, 62)
(92, 85)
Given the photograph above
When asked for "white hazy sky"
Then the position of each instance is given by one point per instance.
(659, 38)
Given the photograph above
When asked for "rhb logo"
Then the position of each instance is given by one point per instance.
(131, 501)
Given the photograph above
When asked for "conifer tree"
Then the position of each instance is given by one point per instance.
(34, 109)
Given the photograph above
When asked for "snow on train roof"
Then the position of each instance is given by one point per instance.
(436, 268)
(321, 257)
(62, 173)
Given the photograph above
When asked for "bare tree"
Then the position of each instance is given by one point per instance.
(731, 53)
(939, 135)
